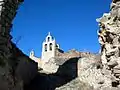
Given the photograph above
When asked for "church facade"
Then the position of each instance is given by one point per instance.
(49, 50)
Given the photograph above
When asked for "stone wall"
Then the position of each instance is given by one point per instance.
(72, 53)
(16, 69)
(109, 39)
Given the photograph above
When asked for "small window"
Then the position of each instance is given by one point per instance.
(32, 53)
(45, 47)
(50, 46)
(48, 39)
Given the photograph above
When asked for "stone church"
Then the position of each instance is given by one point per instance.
(50, 49)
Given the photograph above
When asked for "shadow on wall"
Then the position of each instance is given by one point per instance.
(65, 73)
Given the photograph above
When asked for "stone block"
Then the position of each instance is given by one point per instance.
(117, 67)
(116, 71)
(112, 64)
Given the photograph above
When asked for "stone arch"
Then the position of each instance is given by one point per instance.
(50, 46)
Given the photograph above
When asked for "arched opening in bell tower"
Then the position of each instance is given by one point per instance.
(45, 47)
(48, 39)
(50, 46)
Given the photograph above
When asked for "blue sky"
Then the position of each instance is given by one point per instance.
(71, 22)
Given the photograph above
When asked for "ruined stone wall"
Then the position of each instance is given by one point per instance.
(109, 39)
(73, 53)
(16, 69)
(7, 14)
